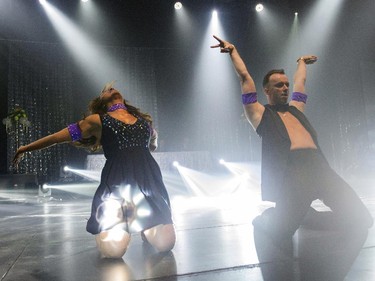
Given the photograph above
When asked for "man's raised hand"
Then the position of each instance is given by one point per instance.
(225, 46)
(308, 59)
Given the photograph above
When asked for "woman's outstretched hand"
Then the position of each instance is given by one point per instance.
(225, 46)
(18, 156)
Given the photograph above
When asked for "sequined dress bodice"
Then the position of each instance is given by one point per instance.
(117, 136)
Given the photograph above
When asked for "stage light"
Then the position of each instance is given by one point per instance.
(44, 190)
(222, 161)
(87, 174)
(42, 2)
(84, 0)
(45, 187)
(296, 14)
(214, 14)
(259, 7)
(178, 5)
(175, 164)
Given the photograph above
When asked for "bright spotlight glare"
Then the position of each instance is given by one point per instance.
(245, 176)
(259, 7)
(116, 234)
(175, 163)
(42, 2)
(214, 13)
(66, 168)
(296, 14)
(85, 0)
(222, 161)
(178, 5)
(143, 212)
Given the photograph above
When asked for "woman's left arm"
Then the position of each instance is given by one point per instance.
(153, 144)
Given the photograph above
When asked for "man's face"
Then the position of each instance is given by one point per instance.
(277, 89)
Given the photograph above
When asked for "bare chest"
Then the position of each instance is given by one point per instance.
(299, 136)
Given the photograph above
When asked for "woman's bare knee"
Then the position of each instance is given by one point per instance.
(112, 243)
(162, 237)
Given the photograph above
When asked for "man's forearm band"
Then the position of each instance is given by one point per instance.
(75, 132)
(301, 97)
(249, 98)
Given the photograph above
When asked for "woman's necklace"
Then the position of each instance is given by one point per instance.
(116, 106)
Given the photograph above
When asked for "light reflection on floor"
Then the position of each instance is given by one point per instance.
(214, 232)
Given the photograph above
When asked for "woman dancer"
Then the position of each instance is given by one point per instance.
(131, 196)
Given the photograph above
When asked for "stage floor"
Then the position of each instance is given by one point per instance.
(44, 238)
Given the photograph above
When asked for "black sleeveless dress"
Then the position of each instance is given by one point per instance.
(131, 195)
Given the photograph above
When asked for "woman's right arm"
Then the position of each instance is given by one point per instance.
(90, 126)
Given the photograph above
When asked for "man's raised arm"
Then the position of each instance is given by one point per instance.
(299, 96)
(253, 109)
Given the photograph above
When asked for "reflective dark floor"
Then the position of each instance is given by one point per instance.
(43, 237)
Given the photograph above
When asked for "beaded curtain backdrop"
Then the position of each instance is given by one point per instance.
(39, 81)
(42, 81)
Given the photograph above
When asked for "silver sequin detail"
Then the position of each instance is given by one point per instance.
(128, 135)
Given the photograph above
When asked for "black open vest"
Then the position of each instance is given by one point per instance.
(275, 149)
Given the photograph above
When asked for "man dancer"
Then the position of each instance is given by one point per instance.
(294, 170)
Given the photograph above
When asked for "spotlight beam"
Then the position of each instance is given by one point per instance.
(91, 175)
(190, 182)
(324, 14)
(93, 59)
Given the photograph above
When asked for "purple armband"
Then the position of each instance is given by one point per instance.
(75, 132)
(249, 98)
(297, 96)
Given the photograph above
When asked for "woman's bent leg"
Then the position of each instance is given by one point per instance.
(112, 243)
(162, 237)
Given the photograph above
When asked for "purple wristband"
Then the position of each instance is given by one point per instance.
(297, 96)
(75, 132)
(249, 98)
